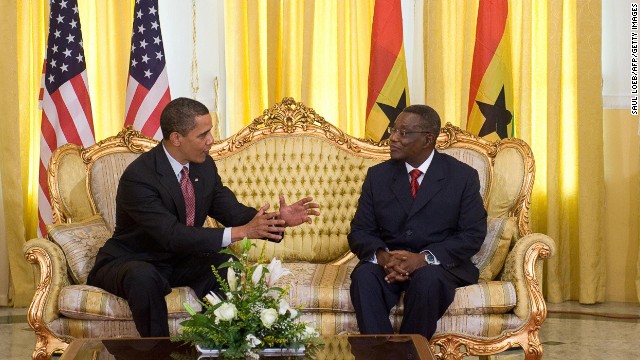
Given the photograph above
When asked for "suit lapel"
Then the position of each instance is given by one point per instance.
(401, 188)
(169, 181)
(432, 183)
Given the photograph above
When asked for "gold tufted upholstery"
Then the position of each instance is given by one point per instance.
(292, 150)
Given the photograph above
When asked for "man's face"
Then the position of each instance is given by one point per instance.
(194, 147)
(413, 148)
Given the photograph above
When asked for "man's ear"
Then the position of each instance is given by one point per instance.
(175, 138)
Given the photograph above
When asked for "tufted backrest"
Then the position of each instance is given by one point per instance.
(291, 150)
(299, 166)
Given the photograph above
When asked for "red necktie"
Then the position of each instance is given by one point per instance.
(189, 195)
(415, 174)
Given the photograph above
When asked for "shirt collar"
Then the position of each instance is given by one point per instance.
(175, 164)
(424, 166)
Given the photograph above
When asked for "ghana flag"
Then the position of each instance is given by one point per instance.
(490, 112)
(388, 86)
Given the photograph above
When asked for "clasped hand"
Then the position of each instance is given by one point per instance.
(271, 225)
(400, 264)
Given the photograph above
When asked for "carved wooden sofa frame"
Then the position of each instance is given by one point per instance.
(318, 253)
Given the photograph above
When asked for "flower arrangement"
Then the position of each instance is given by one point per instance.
(254, 315)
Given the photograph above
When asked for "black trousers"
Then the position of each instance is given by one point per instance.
(144, 284)
(427, 295)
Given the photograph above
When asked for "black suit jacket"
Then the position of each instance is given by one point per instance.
(447, 217)
(151, 215)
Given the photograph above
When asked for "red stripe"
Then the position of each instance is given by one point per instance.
(386, 42)
(48, 133)
(64, 119)
(42, 179)
(492, 18)
(153, 123)
(82, 93)
(42, 226)
(138, 97)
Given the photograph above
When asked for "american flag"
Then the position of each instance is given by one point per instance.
(148, 87)
(64, 95)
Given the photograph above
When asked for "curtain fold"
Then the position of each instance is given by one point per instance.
(558, 110)
(314, 51)
(106, 30)
(22, 278)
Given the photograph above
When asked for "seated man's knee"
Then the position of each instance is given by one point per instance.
(144, 277)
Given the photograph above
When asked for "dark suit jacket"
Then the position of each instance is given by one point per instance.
(447, 217)
(151, 215)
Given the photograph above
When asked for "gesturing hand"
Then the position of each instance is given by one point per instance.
(263, 225)
(299, 212)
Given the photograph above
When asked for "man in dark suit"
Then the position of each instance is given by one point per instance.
(163, 199)
(420, 219)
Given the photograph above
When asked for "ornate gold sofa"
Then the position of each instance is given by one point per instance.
(292, 150)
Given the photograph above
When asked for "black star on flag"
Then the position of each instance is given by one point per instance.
(497, 117)
(392, 112)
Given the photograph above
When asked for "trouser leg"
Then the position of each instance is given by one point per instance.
(144, 288)
(372, 298)
(427, 296)
(195, 271)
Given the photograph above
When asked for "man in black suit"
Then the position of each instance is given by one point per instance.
(414, 231)
(163, 199)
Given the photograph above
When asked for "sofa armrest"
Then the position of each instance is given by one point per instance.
(51, 264)
(521, 268)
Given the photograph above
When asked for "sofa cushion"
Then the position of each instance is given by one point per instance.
(492, 297)
(92, 303)
(490, 259)
(325, 288)
(80, 242)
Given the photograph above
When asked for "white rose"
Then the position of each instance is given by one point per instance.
(232, 279)
(212, 298)
(268, 317)
(226, 312)
(257, 274)
(253, 341)
(276, 271)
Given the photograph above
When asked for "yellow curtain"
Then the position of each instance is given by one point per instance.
(106, 28)
(314, 51)
(558, 111)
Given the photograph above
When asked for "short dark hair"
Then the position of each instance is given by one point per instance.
(429, 116)
(180, 116)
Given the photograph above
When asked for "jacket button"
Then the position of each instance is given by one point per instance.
(409, 232)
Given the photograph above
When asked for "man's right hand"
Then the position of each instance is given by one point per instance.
(263, 225)
(391, 264)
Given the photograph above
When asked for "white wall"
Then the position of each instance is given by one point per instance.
(616, 53)
(177, 32)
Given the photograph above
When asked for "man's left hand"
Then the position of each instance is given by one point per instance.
(299, 212)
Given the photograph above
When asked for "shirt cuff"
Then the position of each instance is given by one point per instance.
(226, 237)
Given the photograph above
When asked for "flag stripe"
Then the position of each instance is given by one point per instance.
(153, 124)
(64, 117)
(64, 96)
(492, 18)
(151, 100)
(148, 85)
(386, 42)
